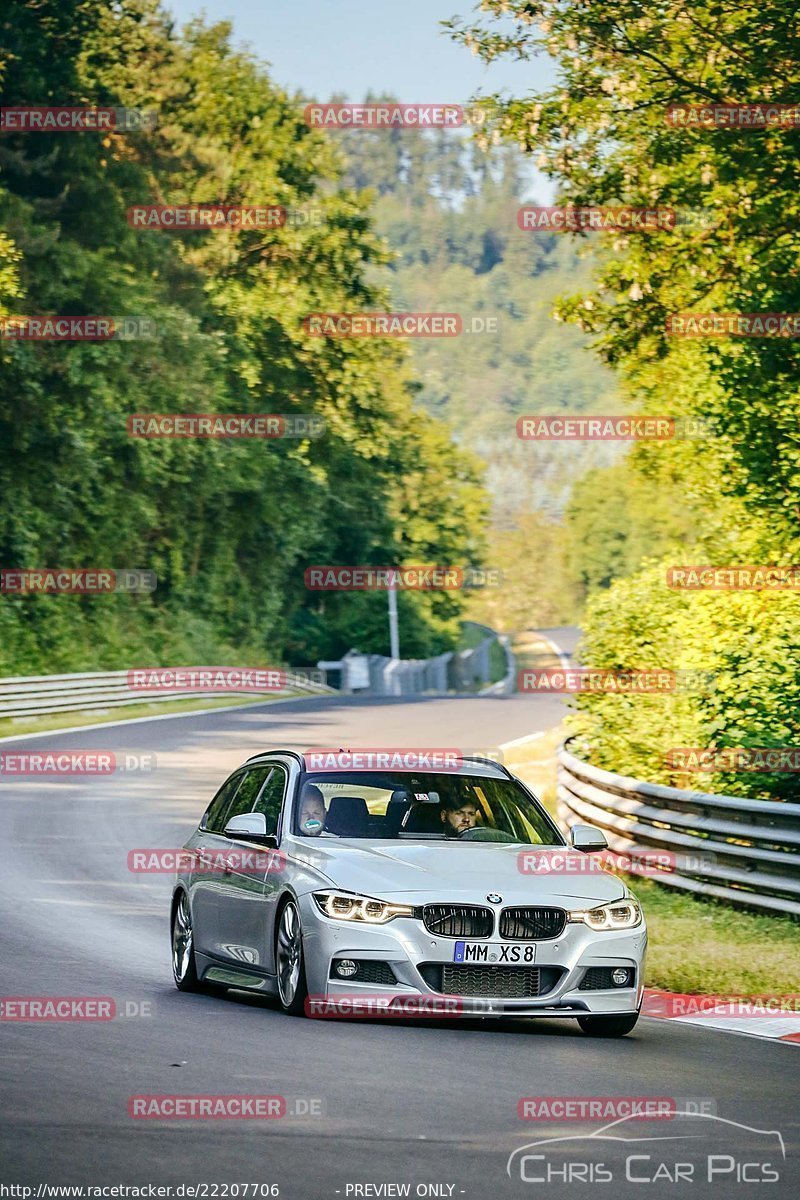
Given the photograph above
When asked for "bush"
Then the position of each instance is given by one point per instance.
(743, 652)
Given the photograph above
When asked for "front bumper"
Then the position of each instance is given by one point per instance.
(406, 945)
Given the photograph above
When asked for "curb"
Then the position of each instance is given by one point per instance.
(782, 1027)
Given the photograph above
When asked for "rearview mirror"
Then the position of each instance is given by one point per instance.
(250, 827)
(587, 838)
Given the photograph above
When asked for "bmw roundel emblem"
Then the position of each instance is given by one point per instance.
(494, 898)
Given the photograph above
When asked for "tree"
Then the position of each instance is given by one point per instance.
(228, 526)
(602, 133)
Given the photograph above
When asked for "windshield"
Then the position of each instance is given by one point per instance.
(445, 807)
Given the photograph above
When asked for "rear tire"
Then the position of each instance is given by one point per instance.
(290, 962)
(608, 1026)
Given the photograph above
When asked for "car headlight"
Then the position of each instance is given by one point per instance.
(346, 906)
(622, 914)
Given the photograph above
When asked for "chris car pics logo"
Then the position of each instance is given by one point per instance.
(696, 1148)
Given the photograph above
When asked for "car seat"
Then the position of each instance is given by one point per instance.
(348, 816)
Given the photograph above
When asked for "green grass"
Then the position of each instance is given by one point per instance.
(700, 946)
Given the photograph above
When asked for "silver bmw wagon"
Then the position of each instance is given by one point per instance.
(397, 891)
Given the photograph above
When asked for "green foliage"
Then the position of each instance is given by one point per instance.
(601, 131)
(619, 515)
(738, 665)
(732, 498)
(228, 526)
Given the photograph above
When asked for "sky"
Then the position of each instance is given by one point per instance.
(354, 46)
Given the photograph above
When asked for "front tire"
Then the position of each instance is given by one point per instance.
(608, 1026)
(184, 968)
(290, 962)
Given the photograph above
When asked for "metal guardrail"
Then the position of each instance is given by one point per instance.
(506, 685)
(35, 695)
(744, 852)
(456, 671)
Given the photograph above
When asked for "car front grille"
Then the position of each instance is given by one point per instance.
(495, 982)
(458, 920)
(532, 924)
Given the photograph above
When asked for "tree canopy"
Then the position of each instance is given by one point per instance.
(228, 526)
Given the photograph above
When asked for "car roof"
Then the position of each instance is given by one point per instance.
(472, 764)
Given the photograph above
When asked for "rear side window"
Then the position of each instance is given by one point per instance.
(247, 794)
(271, 799)
(214, 819)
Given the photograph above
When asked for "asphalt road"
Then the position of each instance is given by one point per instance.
(417, 1103)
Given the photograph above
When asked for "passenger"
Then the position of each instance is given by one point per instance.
(458, 815)
(311, 818)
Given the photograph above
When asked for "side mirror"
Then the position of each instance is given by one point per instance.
(587, 838)
(250, 827)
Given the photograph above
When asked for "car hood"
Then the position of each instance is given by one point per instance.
(431, 871)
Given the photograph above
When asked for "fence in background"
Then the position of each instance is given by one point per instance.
(36, 695)
(745, 852)
(460, 671)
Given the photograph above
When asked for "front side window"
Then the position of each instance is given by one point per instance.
(247, 794)
(214, 818)
(271, 799)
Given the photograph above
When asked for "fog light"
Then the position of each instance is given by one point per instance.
(346, 967)
(619, 977)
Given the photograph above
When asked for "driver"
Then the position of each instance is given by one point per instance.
(311, 817)
(458, 815)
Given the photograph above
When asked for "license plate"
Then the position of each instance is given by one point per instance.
(493, 952)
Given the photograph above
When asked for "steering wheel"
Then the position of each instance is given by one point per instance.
(480, 833)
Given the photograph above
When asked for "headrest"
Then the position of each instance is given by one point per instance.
(348, 816)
